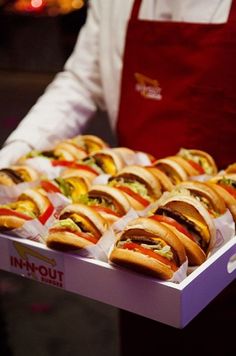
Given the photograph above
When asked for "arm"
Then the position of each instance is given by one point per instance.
(71, 99)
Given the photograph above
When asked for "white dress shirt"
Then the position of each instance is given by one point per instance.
(92, 75)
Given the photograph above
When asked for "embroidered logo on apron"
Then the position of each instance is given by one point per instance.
(147, 87)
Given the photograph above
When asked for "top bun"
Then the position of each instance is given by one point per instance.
(202, 158)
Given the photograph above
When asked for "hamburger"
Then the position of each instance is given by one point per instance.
(191, 213)
(30, 205)
(108, 201)
(17, 174)
(90, 143)
(231, 168)
(202, 161)
(105, 161)
(139, 185)
(149, 247)
(165, 183)
(225, 187)
(172, 169)
(69, 151)
(79, 226)
(204, 193)
(70, 186)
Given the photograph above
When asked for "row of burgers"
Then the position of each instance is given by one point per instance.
(174, 202)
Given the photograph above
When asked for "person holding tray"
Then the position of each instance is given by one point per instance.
(164, 72)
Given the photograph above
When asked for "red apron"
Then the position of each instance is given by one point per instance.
(178, 87)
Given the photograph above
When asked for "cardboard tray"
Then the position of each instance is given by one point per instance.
(166, 302)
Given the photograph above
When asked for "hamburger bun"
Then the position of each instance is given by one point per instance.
(140, 247)
(213, 202)
(179, 225)
(79, 226)
(172, 169)
(202, 159)
(139, 184)
(196, 214)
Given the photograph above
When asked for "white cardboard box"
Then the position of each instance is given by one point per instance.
(166, 302)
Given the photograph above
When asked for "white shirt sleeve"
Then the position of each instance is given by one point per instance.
(72, 97)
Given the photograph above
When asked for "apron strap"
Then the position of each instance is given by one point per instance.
(135, 10)
(137, 5)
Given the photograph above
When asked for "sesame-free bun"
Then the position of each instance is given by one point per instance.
(194, 211)
(165, 182)
(66, 240)
(142, 175)
(200, 155)
(189, 169)
(110, 161)
(204, 190)
(114, 195)
(40, 200)
(172, 169)
(140, 262)
(9, 222)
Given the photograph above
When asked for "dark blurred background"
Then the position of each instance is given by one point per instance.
(36, 38)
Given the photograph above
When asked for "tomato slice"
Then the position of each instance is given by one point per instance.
(73, 164)
(172, 222)
(85, 168)
(49, 187)
(105, 210)
(46, 214)
(11, 212)
(134, 195)
(150, 253)
(61, 162)
(197, 166)
(229, 189)
(78, 233)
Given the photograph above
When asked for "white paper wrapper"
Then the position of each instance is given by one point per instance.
(180, 274)
(120, 224)
(8, 194)
(44, 166)
(101, 179)
(101, 250)
(225, 230)
(142, 159)
(201, 177)
(31, 230)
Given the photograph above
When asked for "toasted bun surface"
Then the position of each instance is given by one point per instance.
(109, 160)
(41, 201)
(172, 169)
(165, 182)
(195, 212)
(94, 218)
(8, 222)
(204, 190)
(189, 169)
(138, 261)
(143, 175)
(66, 240)
(196, 256)
(27, 173)
(202, 155)
(113, 194)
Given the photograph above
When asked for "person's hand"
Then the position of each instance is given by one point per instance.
(10, 153)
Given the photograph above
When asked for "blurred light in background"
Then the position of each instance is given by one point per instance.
(42, 7)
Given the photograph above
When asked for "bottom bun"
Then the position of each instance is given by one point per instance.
(141, 263)
(8, 222)
(196, 256)
(65, 240)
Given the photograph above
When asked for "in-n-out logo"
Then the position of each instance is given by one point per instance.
(29, 262)
(147, 87)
